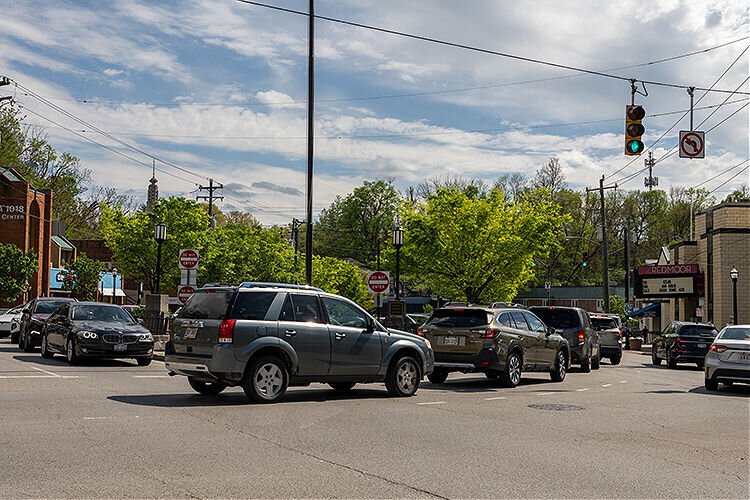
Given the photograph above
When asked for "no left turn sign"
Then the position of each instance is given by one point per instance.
(692, 144)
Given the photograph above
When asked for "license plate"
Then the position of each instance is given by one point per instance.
(450, 340)
(121, 347)
(190, 333)
(701, 346)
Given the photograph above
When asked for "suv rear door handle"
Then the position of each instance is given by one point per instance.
(290, 333)
(340, 336)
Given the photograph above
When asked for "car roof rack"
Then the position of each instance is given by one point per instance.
(496, 305)
(260, 284)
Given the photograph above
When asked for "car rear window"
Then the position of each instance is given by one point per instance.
(459, 318)
(558, 318)
(697, 330)
(603, 323)
(252, 305)
(207, 304)
(736, 333)
(48, 306)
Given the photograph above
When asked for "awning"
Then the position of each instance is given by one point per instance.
(650, 310)
(63, 243)
(107, 292)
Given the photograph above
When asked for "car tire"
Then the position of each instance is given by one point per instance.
(403, 376)
(14, 338)
(699, 364)
(586, 365)
(671, 362)
(144, 361)
(511, 374)
(20, 342)
(655, 360)
(615, 360)
(711, 384)
(206, 388)
(266, 380)
(558, 371)
(46, 353)
(342, 386)
(28, 346)
(70, 352)
(492, 374)
(438, 376)
(595, 362)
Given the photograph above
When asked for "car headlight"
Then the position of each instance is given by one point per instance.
(428, 343)
(146, 337)
(84, 334)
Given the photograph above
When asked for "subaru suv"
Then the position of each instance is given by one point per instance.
(499, 342)
(683, 342)
(265, 337)
(574, 324)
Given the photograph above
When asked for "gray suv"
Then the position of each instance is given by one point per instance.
(574, 324)
(266, 337)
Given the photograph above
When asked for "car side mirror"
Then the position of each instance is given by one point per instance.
(370, 326)
(550, 331)
(140, 321)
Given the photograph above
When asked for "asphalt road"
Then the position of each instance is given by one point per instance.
(113, 429)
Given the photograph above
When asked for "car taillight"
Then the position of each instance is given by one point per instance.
(679, 340)
(718, 348)
(485, 333)
(581, 335)
(420, 332)
(226, 331)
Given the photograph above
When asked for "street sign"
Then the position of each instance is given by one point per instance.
(187, 277)
(378, 281)
(547, 285)
(692, 144)
(184, 293)
(188, 259)
(396, 308)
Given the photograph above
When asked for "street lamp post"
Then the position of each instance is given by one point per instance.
(398, 242)
(734, 274)
(160, 235)
(114, 284)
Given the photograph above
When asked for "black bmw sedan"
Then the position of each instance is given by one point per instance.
(96, 330)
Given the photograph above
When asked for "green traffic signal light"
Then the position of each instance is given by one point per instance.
(635, 147)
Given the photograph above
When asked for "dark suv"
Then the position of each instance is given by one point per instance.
(35, 313)
(574, 324)
(682, 342)
(265, 338)
(499, 342)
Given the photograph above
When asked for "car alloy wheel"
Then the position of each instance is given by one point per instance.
(46, 353)
(559, 370)
(406, 376)
(403, 376)
(268, 380)
(70, 352)
(514, 371)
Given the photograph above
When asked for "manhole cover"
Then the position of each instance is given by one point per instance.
(555, 407)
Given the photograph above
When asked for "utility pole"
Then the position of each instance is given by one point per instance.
(210, 188)
(605, 250)
(650, 181)
(296, 223)
(310, 141)
(627, 265)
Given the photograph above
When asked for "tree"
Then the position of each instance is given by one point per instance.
(359, 223)
(738, 195)
(550, 176)
(131, 238)
(481, 249)
(473, 188)
(16, 269)
(82, 277)
(617, 306)
(340, 277)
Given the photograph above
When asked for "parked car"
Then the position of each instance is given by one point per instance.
(683, 342)
(412, 321)
(610, 336)
(96, 330)
(574, 324)
(10, 322)
(265, 338)
(501, 343)
(728, 358)
(35, 313)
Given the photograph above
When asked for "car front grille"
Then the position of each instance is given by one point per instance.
(117, 338)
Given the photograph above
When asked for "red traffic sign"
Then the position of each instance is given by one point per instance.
(185, 292)
(188, 259)
(692, 144)
(378, 281)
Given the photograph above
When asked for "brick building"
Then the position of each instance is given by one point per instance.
(25, 221)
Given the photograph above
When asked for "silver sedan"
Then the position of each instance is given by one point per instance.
(728, 358)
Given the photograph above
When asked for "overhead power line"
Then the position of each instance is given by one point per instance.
(475, 49)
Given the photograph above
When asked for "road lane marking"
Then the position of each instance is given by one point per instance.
(45, 371)
(433, 403)
(95, 418)
(622, 381)
(607, 385)
(581, 390)
(26, 376)
(151, 376)
(495, 399)
(544, 393)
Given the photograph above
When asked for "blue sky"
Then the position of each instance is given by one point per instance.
(219, 88)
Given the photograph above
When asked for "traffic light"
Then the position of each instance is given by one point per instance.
(585, 261)
(634, 130)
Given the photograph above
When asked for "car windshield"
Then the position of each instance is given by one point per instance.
(108, 314)
(603, 323)
(459, 318)
(48, 306)
(207, 304)
(736, 333)
(558, 318)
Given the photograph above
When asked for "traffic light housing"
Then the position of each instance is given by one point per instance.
(585, 260)
(634, 129)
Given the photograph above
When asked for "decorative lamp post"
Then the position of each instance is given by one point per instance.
(160, 235)
(734, 274)
(114, 284)
(398, 242)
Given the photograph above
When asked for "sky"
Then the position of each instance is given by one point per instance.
(217, 89)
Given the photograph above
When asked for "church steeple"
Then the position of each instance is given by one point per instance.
(153, 189)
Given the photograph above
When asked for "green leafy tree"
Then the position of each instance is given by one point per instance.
(16, 269)
(617, 306)
(741, 194)
(480, 249)
(340, 277)
(82, 277)
(131, 238)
